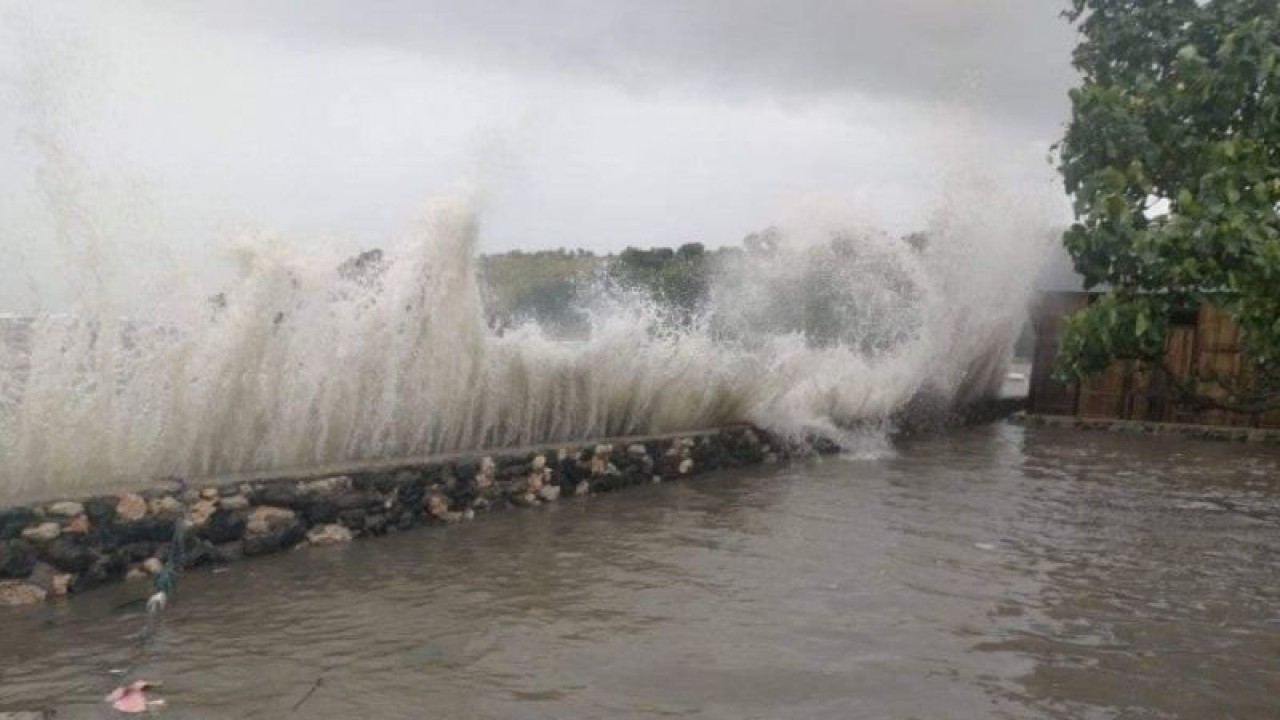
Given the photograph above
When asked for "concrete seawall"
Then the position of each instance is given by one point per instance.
(57, 548)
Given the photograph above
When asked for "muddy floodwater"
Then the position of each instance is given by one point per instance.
(988, 573)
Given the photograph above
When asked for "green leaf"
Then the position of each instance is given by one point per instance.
(1177, 99)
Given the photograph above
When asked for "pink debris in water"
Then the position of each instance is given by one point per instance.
(130, 698)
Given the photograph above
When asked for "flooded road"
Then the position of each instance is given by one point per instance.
(989, 573)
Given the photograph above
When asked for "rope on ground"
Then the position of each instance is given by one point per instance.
(130, 698)
(167, 579)
(314, 686)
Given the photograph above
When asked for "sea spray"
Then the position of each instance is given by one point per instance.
(302, 363)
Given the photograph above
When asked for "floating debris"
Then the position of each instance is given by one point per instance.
(132, 698)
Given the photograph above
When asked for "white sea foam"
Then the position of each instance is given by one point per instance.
(302, 365)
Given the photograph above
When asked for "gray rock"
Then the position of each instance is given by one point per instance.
(198, 513)
(66, 509)
(368, 501)
(137, 551)
(43, 532)
(279, 494)
(13, 521)
(16, 592)
(147, 529)
(230, 551)
(325, 485)
(225, 526)
(17, 558)
(68, 554)
(166, 507)
(131, 508)
(329, 535)
(234, 502)
(60, 584)
(271, 529)
(266, 518)
(274, 540)
(42, 576)
(105, 569)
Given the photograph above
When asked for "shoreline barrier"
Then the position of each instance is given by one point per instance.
(54, 548)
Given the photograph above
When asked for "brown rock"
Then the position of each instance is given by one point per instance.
(234, 502)
(131, 507)
(61, 584)
(438, 508)
(329, 535)
(266, 518)
(488, 469)
(200, 512)
(16, 592)
(167, 506)
(78, 525)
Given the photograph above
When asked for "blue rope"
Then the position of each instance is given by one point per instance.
(167, 579)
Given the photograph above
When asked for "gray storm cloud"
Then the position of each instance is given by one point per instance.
(594, 124)
(1009, 56)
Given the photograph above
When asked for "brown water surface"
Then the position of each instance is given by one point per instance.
(989, 573)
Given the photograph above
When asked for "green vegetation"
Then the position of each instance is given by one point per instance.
(552, 287)
(542, 287)
(1173, 158)
(677, 280)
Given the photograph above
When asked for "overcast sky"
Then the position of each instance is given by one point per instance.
(592, 123)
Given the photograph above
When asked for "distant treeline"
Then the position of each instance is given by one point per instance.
(555, 287)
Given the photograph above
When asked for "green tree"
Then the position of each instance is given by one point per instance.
(1172, 156)
(677, 280)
